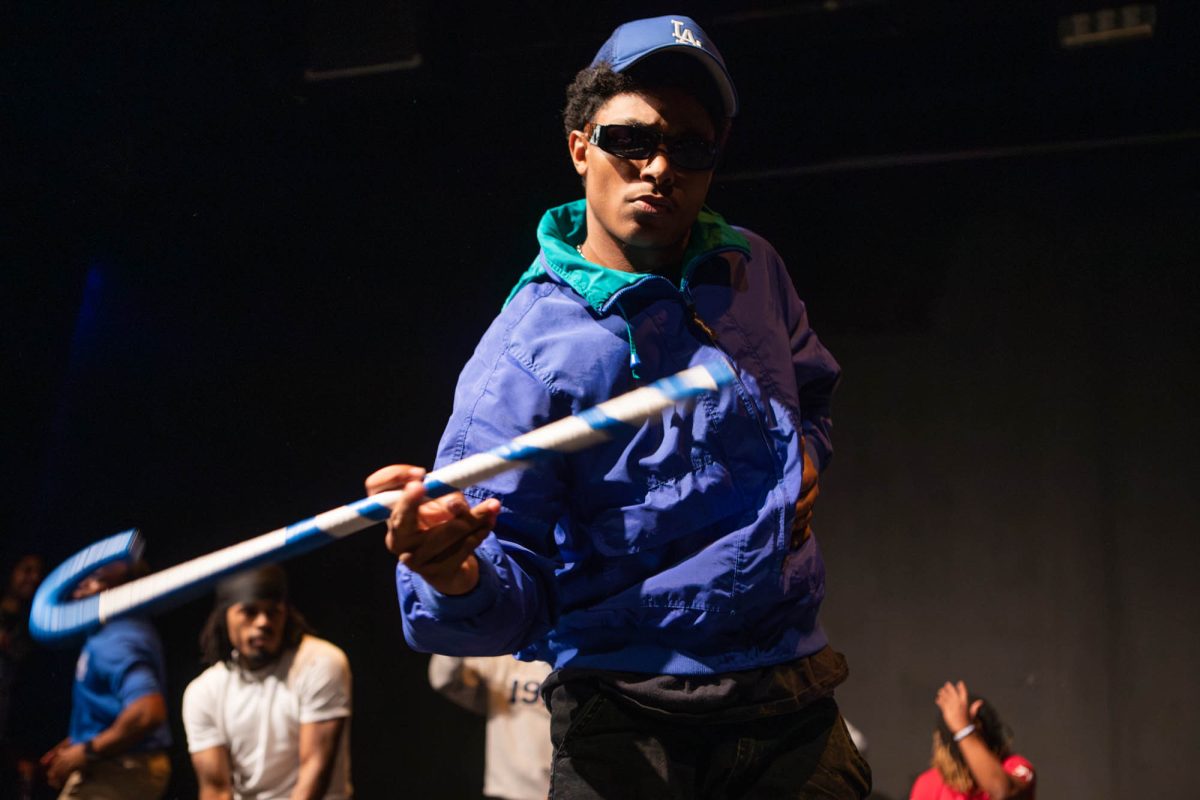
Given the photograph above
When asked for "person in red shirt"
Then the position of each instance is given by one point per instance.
(972, 756)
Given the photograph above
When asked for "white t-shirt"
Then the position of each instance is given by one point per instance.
(257, 715)
(518, 749)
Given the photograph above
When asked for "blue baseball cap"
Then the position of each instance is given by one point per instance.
(634, 41)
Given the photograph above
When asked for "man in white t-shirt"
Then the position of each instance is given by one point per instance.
(508, 691)
(269, 720)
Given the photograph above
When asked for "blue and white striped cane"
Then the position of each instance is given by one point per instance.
(55, 618)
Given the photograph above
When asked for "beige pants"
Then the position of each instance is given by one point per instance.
(133, 776)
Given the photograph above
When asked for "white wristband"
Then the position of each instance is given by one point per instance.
(965, 732)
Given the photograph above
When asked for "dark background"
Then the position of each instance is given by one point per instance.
(230, 292)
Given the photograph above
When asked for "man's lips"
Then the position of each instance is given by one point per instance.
(653, 204)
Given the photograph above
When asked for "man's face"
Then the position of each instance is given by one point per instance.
(646, 207)
(105, 577)
(26, 576)
(256, 630)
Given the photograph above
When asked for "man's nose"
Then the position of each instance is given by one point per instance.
(658, 167)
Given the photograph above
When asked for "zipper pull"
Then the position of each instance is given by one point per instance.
(701, 324)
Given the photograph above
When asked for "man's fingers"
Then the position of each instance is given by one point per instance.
(440, 544)
(404, 522)
(442, 510)
(453, 522)
(455, 506)
(810, 490)
(487, 511)
(393, 476)
(452, 557)
(808, 500)
(802, 522)
(808, 473)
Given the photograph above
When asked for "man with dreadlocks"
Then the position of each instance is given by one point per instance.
(972, 759)
(269, 719)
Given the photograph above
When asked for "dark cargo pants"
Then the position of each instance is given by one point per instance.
(606, 747)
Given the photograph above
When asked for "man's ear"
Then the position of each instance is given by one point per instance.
(577, 145)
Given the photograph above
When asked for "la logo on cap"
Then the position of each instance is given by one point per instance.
(684, 35)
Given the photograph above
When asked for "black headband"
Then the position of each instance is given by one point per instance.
(264, 583)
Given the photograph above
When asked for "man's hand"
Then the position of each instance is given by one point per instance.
(434, 538)
(64, 759)
(810, 489)
(952, 699)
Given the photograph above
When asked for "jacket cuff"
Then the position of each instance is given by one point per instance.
(448, 607)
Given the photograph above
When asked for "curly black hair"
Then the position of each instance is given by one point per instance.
(594, 86)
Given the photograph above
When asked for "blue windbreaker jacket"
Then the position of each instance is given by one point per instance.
(665, 550)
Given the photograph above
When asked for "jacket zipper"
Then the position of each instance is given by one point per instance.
(748, 401)
(742, 390)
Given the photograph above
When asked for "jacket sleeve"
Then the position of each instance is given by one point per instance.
(498, 397)
(817, 372)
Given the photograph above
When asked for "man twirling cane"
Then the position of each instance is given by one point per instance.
(668, 575)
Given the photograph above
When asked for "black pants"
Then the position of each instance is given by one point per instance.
(606, 747)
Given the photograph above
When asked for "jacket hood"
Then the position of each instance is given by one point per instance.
(564, 227)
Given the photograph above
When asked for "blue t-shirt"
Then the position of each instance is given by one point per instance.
(118, 664)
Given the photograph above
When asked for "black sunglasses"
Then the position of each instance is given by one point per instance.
(641, 141)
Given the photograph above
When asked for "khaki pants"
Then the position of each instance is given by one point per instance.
(133, 776)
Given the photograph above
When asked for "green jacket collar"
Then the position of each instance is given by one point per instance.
(564, 227)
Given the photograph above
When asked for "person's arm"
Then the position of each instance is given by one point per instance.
(450, 677)
(133, 724)
(810, 490)
(986, 768)
(213, 773)
(989, 772)
(817, 374)
(318, 750)
(206, 741)
(324, 688)
(817, 371)
(481, 581)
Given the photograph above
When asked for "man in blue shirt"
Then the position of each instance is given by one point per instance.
(118, 735)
